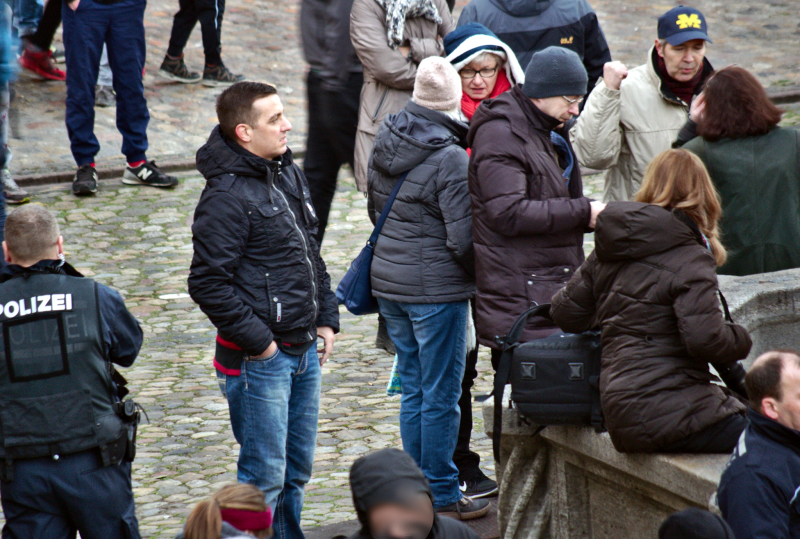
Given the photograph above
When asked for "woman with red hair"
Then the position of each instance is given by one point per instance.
(755, 166)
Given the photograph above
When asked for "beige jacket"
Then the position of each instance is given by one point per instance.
(388, 74)
(621, 131)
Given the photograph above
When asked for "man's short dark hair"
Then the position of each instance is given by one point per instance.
(235, 105)
(31, 232)
(764, 377)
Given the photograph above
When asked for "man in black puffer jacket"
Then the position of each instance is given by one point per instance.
(258, 275)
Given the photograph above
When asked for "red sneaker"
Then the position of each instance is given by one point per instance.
(41, 63)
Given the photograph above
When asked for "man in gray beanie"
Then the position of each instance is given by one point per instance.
(422, 271)
(528, 208)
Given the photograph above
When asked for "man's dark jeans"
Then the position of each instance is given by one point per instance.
(121, 27)
(209, 14)
(332, 125)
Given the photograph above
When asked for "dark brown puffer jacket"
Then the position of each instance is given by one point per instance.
(527, 223)
(652, 288)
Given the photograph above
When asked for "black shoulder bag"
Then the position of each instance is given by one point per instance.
(554, 381)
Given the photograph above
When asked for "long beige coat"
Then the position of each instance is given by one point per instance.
(621, 131)
(388, 74)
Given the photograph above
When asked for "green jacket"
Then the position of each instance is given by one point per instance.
(758, 179)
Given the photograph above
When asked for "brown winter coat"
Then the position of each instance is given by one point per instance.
(652, 289)
(527, 223)
(388, 74)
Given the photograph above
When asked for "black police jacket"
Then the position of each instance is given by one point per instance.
(257, 272)
(759, 492)
(59, 334)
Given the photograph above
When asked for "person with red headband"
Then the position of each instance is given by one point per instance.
(236, 511)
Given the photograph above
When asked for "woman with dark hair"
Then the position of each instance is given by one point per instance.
(755, 166)
(650, 286)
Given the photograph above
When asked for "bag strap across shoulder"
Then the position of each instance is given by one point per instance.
(373, 238)
(503, 372)
(725, 307)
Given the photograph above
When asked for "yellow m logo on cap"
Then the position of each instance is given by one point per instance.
(688, 21)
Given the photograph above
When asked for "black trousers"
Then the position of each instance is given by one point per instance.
(332, 125)
(209, 14)
(57, 498)
(48, 24)
(720, 437)
(466, 460)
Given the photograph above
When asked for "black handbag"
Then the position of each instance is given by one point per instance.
(554, 381)
(355, 288)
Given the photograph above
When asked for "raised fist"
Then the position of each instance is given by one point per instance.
(613, 73)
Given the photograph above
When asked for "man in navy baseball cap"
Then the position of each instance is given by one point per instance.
(638, 114)
(682, 24)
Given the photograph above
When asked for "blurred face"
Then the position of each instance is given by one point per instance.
(392, 521)
(683, 61)
(787, 410)
(267, 138)
(479, 77)
(562, 108)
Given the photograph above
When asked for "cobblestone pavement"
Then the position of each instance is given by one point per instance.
(261, 40)
(139, 242)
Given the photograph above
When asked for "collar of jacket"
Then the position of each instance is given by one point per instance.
(459, 129)
(541, 123)
(773, 430)
(56, 267)
(282, 161)
(655, 78)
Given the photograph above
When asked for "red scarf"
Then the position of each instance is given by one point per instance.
(685, 91)
(469, 105)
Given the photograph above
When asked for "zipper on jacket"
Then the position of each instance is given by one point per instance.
(305, 246)
(380, 105)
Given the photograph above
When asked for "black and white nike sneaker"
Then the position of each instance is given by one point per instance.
(477, 485)
(148, 174)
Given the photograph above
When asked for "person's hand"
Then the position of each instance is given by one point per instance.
(271, 349)
(328, 339)
(74, 4)
(405, 51)
(698, 108)
(597, 207)
(613, 73)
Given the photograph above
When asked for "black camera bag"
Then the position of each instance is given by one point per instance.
(554, 381)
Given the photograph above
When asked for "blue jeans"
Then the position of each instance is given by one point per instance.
(274, 407)
(430, 339)
(120, 27)
(27, 14)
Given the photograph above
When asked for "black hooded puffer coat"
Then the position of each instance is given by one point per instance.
(257, 272)
(424, 252)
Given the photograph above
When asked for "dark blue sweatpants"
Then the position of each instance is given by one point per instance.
(54, 499)
(121, 27)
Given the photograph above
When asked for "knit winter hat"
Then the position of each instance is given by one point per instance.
(555, 71)
(438, 85)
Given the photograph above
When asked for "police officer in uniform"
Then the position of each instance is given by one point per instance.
(65, 444)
